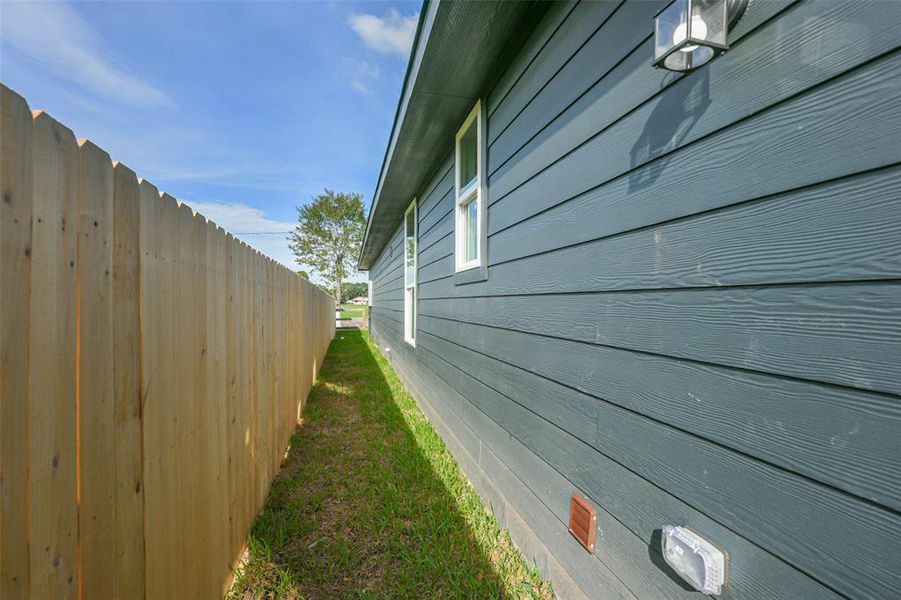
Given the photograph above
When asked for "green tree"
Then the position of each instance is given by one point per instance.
(354, 289)
(303, 274)
(328, 236)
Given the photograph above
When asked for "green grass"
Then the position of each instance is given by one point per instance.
(370, 504)
(349, 311)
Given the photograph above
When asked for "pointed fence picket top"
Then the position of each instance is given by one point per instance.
(153, 370)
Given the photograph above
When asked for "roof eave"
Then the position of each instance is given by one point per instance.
(454, 56)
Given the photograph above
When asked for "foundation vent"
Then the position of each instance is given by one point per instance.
(583, 521)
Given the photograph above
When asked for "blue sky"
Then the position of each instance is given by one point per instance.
(241, 109)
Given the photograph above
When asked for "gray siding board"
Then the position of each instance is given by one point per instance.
(388, 274)
(643, 507)
(592, 575)
(691, 315)
(393, 295)
(439, 223)
(437, 269)
(488, 473)
(813, 234)
(785, 514)
(878, 196)
(623, 151)
(771, 152)
(848, 335)
(393, 304)
(388, 264)
(438, 248)
(388, 295)
(386, 290)
(468, 453)
(627, 555)
(610, 43)
(636, 562)
(379, 270)
(478, 443)
(535, 541)
(633, 499)
(840, 437)
(520, 64)
(383, 286)
(630, 85)
(575, 31)
(443, 180)
(663, 257)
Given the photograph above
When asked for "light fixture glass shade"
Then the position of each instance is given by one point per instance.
(696, 560)
(666, 24)
(688, 33)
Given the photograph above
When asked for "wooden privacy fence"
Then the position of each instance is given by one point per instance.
(153, 370)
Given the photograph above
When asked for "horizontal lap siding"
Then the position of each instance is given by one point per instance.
(691, 313)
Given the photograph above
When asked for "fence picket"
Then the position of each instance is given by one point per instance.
(155, 429)
(53, 449)
(127, 384)
(15, 293)
(171, 337)
(96, 406)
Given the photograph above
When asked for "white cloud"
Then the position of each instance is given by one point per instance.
(360, 87)
(247, 220)
(391, 34)
(239, 218)
(363, 75)
(54, 34)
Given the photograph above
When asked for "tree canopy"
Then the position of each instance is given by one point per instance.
(353, 290)
(328, 236)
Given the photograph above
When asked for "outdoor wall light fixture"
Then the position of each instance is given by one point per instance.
(696, 560)
(689, 33)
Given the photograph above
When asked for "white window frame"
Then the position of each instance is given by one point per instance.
(410, 290)
(464, 196)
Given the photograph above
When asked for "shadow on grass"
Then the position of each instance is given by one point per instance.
(369, 503)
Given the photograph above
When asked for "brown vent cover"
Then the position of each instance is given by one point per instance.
(583, 521)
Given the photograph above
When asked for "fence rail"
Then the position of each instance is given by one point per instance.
(152, 370)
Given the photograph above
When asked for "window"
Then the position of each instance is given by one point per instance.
(469, 192)
(410, 260)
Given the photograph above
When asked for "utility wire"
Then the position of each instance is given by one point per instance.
(261, 232)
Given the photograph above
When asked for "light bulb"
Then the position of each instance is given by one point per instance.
(698, 31)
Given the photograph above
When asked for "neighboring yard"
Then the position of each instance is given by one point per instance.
(351, 311)
(370, 503)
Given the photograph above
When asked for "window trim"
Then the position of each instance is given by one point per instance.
(473, 192)
(411, 288)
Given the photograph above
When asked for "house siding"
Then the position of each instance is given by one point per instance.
(693, 306)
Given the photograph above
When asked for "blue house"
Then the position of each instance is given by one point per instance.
(640, 264)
